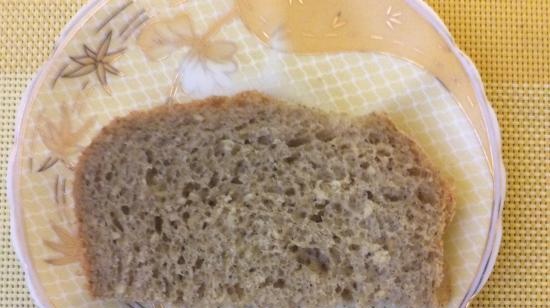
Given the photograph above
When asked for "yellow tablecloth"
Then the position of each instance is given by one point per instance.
(509, 40)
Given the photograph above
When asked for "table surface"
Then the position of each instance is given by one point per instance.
(509, 41)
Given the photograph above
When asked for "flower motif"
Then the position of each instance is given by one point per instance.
(69, 247)
(99, 61)
(392, 18)
(207, 68)
(62, 138)
(207, 64)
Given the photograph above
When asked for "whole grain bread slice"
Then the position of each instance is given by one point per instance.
(249, 201)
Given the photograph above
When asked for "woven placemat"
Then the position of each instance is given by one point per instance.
(509, 41)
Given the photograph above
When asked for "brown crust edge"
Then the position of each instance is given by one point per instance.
(443, 292)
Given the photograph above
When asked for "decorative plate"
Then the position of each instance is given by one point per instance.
(354, 56)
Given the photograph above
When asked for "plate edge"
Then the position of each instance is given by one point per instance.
(17, 230)
(492, 245)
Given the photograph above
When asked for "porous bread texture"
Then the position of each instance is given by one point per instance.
(247, 201)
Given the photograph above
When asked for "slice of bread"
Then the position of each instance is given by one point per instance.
(246, 201)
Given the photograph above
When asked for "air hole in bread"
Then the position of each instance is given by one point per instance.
(426, 194)
(198, 264)
(348, 270)
(383, 152)
(393, 194)
(370, 196)
(316, 218)
(292, 158)
(313, 258)
(201, 290)
(347, 295)
(374, 138)
(265, 140)
(325, 135)
(150, 176)
(116, 222)
(290, 191)
(188, 188)
(298, 141)
(213, 180)
(279, 284)
(158, 224)
(266, 282)
(149, 156)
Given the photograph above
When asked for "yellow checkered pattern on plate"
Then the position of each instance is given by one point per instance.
(508, 40)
